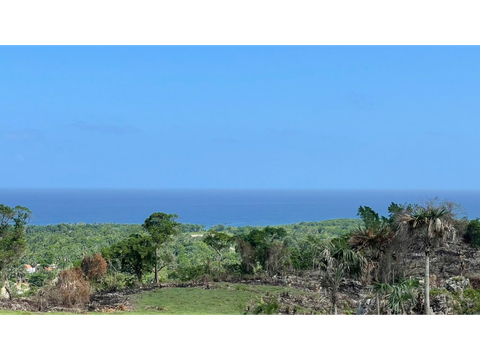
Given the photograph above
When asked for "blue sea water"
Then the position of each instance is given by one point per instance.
(210, 207)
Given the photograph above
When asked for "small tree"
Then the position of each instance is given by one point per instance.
(218, 241)
(161, 228)
(135, 254)
(337, 263)
(12, 240)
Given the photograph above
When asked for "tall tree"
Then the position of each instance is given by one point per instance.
(12, 239)
(429, 227)
(218, 241)
(161, 228)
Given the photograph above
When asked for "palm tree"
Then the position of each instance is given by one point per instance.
(338, 263)
(398, 294)
(373, 241)
(432, 225)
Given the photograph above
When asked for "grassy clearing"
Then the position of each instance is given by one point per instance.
(192, 301)
(222, 299)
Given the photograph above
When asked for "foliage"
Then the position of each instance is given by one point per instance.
(429, 227)
(400, 296)
(339, 262)
(472, 234)
(218, 242)
(373, 240)
(12, 240)
(266, 305)
(134, 255)
(117, 281)
(469, 302)
(63, 244)
(40, 277)
(161, 227)
(371, 219)
(266, 247)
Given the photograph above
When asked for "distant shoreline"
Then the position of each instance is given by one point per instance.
(211, 207)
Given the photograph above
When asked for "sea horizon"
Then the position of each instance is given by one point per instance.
(236, 207)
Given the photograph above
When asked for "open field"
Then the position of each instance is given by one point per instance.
(221, 299)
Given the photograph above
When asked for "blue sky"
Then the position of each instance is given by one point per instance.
(313, 117)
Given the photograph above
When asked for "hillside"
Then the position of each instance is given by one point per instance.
(286, 269)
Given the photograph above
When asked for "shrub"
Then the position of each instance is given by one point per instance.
(474, 281)
(71, 289)
(119, 281)
(472, 234)
(266, 305)
(94, 267)
(470, 302)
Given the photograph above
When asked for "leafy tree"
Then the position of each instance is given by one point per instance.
(136, 254)
(12, 240)
(161, 228)
(371, 219)
(429, 227)
(218, 241)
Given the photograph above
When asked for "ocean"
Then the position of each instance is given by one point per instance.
(211, 207)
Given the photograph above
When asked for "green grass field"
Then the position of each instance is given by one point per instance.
(222, 299)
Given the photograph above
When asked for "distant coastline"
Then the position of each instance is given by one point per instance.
(212, 207)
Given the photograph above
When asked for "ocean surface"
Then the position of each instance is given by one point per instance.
(210, 207)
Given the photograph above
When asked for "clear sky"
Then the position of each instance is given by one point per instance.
(240, 117)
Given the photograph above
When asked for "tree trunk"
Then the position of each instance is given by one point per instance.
(334, 302)
(378, 304)
(7, 289)
(156, 266)
(219, 261)
(427, 283)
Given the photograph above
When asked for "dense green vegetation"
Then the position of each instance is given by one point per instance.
(66, 244)
(71, 261)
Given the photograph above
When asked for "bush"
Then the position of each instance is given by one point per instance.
(470, 302)
(120, 281)
(472, 235)
(188, 273)
(38, 279)
(71, 289)
(266, 305)
(474, 281)
(94, 267)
